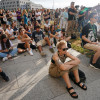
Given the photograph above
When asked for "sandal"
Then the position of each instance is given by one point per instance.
(68, 89)
(83, 85)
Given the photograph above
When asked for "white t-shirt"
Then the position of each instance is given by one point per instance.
(5, 45)
(59, 34)
(39, 17)
(10, 31)
(14, 14)
(47, 25)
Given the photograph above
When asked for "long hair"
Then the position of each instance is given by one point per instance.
(51, 28)
(7, 44)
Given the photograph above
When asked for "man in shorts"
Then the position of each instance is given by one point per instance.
(89, 38)
(41, 40)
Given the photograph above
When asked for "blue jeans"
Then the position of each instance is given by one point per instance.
(12, 53)
(81, 25)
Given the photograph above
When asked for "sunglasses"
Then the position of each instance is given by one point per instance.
(64, 49)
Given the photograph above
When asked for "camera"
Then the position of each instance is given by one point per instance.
(77, 6)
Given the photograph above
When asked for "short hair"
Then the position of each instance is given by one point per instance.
(61, 43)
(91, 15)
(72, 3)
(37, 26)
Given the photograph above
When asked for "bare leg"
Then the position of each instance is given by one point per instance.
(96, 56)
(47, 40)
(67, 81)
(76, 74)
(0, 70)
(40, 48)
(21, 50)
(27, 45)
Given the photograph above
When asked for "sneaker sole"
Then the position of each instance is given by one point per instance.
(93, 67)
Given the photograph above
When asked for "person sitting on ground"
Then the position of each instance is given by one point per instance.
(3, 75)
(6, 48)
(89, 38)
(24, 42)
(62, 35)
(41, 40)
(30, 25)
(53, 35)
(60, 68)
(28, 31)
(9, 33)
(1, 30)
(46, 28)
(15, 30)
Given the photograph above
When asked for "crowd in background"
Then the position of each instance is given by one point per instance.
(36, 28)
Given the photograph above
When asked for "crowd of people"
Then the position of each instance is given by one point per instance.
(35, 28)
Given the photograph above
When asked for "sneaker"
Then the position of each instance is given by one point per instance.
(43, 54)
(30, 52)
(4, 59)
(6, 78)
(94, 66)
(53, 45)
(15, 55)
(15, 36)
(51, 49)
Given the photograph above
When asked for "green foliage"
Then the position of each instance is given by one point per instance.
(76, 45)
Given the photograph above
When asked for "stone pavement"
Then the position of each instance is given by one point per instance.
(29, 79)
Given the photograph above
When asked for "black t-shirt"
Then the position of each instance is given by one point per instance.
(90, 31)
(81, 18)
(9, 19)
(71, 17)
(45, 15)
(1, 19)
(37, 36)
(49, 15)
(56, 14)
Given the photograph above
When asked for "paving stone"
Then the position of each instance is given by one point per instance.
(1, 96)
(30, 80)
(8, 86)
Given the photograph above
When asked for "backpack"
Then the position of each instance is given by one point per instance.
(97, 63)
(81, 76)
(32, 46)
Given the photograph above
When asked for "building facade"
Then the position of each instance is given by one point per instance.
(15, 4)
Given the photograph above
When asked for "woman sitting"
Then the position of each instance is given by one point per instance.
(9, 33)
(6, 48)
(59, 67)
(23, 42)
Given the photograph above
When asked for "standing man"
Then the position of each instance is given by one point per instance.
(65, 19)
(71, 19)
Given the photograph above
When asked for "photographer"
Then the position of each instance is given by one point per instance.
(71, 19)
(6, 48)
